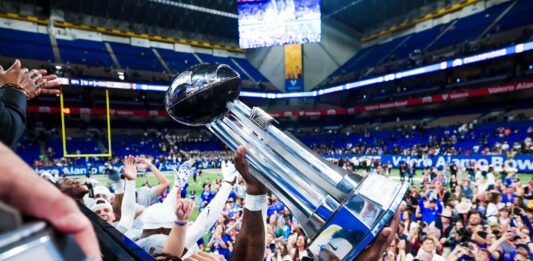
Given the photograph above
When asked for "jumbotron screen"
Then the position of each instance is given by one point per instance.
(264, 23)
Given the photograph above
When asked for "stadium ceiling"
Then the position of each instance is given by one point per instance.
(366, 16)
(217, 19)
(191, 16)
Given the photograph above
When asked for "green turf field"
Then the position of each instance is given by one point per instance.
(210, 174)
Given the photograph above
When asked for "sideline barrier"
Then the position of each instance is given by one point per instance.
(522, 163)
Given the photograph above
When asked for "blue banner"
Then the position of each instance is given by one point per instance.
(523, 163)
(83, 170)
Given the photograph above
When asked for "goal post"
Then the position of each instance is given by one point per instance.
(66, 154)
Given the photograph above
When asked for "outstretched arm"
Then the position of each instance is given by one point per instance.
(13, 103)
(250, 244)
(209, 215)
(128, 201)
(176, 239)
(493, 249)
(439, 206)
(421, 204)
(163, 181)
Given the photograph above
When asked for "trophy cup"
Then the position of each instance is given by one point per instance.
(341, 211)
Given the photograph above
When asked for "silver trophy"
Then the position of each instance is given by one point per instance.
(341, 211)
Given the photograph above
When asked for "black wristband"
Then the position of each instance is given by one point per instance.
(180, 223)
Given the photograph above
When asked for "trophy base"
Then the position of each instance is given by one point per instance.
(359, 219)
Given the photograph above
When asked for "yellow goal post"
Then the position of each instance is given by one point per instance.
(64, 136)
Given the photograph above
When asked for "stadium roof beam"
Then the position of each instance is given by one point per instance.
(196, 8)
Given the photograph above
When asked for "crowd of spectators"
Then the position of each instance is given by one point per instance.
(477, 212)
(452, 213)
(439, 141)
(174, 146)
(460, 215)
(148, 214)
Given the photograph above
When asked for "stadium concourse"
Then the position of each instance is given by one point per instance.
(434, 94)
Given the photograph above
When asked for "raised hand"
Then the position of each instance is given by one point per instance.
(142, 160)
(18, 78)
(130, 168)
(181, 175)
(13, 75)
(254, 187)
(184, 208)
(382, 241)
(229, 171)
(43, 83)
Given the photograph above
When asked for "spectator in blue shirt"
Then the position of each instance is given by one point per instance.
(275, 206)
(465, 188)
(509, 195)
(218, 242)
(207, 194)
(430, 209)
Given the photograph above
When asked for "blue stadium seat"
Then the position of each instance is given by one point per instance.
(91, 53)
(470, 27)
(376, 54)
(464, 29)
(417, 41)
(518, 16)
(177, 61)
(21, 44)
(136, 58)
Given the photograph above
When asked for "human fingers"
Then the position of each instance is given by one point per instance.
(50, 79)
(35, 75)
(382, 241)
(15, 66)
(47, 91)
(240, 162)
(254, 187)
(20, 188)
(189, 208)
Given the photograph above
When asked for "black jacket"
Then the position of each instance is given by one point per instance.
(12, 115)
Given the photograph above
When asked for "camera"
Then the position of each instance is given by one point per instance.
(25, 238)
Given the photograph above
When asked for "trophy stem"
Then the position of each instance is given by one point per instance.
(301, 206)
(311, 187)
